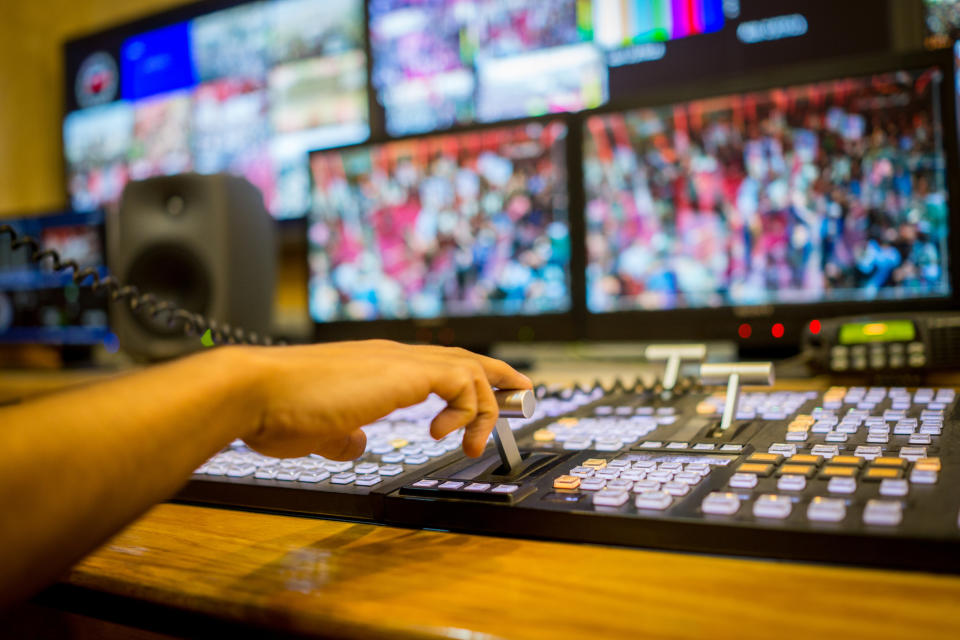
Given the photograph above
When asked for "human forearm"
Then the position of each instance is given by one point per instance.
(76, 466)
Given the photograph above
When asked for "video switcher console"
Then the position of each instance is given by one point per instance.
(861, 475)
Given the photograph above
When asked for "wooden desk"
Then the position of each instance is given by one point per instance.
(362, 581)
(346, 580)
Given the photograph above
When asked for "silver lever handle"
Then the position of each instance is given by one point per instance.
(674, 354)
(513, 404)
(734, 374)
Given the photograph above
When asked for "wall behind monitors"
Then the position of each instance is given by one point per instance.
(248, 89)
(439, 63)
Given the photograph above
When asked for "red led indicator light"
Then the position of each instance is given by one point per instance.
(815, 327)
(745, 331)
(777, 330)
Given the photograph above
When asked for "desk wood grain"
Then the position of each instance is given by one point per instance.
(363, 581)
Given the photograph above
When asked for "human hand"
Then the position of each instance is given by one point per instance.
(314, 399)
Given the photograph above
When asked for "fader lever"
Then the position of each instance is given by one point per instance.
(734, 374)
(674, 354)
(513, 404)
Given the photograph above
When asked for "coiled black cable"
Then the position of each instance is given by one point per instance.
(144, 304)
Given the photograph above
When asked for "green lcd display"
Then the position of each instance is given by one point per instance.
(889, 331)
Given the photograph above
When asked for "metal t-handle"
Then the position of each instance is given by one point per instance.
(674, 354)
(513, 404)
(734, 374)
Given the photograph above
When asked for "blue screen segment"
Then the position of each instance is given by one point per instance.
(157, 62)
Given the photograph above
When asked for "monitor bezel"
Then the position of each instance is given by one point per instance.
(478, 331)
(722, 323)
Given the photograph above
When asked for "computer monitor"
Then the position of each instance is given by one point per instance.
(39, 305)
(744, 215)
(941, 21)
(459, 238)
(248, 89)
(444, 63)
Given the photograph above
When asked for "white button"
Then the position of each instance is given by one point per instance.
(368, 480)
(687, 477)
(836, 436)
(651, 444)
(676, 488)
(267, 473)
(923, 476)
(842, 485)
(704, 446)
(678, 445)
(607, 498)
(645, 464)
(791, 482)
(582, 472)
(732, 447)
(426, 483)
(825, 450)
(826, 509)
(894, 487)
(505, 488)
(477, 486)
(882, 512)
(641, 486)
(367, 467)
(336, 466)
(241, 470)
(743, 480)
(797, 436)
(416, 459)
(344, 477)
(607, 474)
(451, 484)
(920, 438)
(660, 476)
(721, 503)
(783, 449)
(670, 466)
(592, 484)
(314, 476)
(391, 469)
(633, 474)
(868, 452)
(658, 500)
(289, 475)
(621, 464)
(772, 506)
(913, 453)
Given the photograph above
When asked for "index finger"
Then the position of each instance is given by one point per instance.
(499, 373)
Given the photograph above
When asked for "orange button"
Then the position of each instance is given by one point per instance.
(772, 458)
(830, 471)
(889, 462)
(566, 482)
(804, 458)
(793, 427)
(757, 468)
(596, 463)
(569, 422)
(854, 460)
(927, 464)
(797, 470)
(706, 408)
(880, 473)
(544, 435)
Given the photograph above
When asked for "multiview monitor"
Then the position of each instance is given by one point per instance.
(249, 89)
(462, 238)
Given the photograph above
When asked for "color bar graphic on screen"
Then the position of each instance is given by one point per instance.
(625, 22)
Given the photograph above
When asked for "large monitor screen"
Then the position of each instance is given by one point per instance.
(247, 90)
(39, 305)
(471, 224)
(439, 63)
(834, 191)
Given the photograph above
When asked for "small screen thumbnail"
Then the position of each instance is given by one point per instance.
(472, 224)
(942, 21)
(833, 191)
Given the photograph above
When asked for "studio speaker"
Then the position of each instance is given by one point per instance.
(202, 242)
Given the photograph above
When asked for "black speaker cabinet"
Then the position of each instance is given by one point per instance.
(202, 242)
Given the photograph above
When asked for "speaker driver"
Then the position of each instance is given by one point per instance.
(172, 273)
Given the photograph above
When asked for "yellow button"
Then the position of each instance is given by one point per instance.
(854, 460)
(596, 463)
(569, 422)
(927, 464)
(879, 473)
(804, 458)
(804, 417)
(772, 458)
(398, 443)
(798, 426)
(797, 470)
(757, 468)
(566, 482)
(544, 435)
(706, 408)
(847, 472)
(889, 462)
